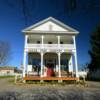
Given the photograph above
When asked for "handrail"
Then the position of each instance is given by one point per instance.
(50, 45)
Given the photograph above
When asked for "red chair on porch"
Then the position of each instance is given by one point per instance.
(50, 72)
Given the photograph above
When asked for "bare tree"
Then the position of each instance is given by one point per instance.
(5, 52)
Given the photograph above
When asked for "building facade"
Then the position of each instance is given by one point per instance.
(50, 50)
(6, 70)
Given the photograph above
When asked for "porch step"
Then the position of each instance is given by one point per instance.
(50, 78)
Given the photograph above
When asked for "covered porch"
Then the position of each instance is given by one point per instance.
(46, 67)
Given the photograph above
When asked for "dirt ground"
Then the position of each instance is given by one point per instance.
(11, 91)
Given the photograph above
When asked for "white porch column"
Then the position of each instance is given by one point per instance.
(24, 64)
(58, 41)
(26, 39)
(42, 41)
(76, 65)
(24, 56)
(41, 64)
(75, 56)
(74, 41)
(59, 66)
(70, 64)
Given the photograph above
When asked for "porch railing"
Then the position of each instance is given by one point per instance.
(51, 46)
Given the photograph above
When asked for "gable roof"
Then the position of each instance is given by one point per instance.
(53, 20)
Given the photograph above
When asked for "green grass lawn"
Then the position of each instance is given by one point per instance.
(7, 76)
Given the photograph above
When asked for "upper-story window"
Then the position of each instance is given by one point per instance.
(38, 42)
(28, 41)
(49, 42)
(61, 42)
(72, 41)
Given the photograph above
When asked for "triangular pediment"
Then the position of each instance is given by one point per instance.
(50, 25)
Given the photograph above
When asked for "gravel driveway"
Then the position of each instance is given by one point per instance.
(10, 91)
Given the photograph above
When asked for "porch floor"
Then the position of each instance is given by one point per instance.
(37, 78)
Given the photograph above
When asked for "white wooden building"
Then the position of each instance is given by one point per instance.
(6, 70)
(50, 51)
